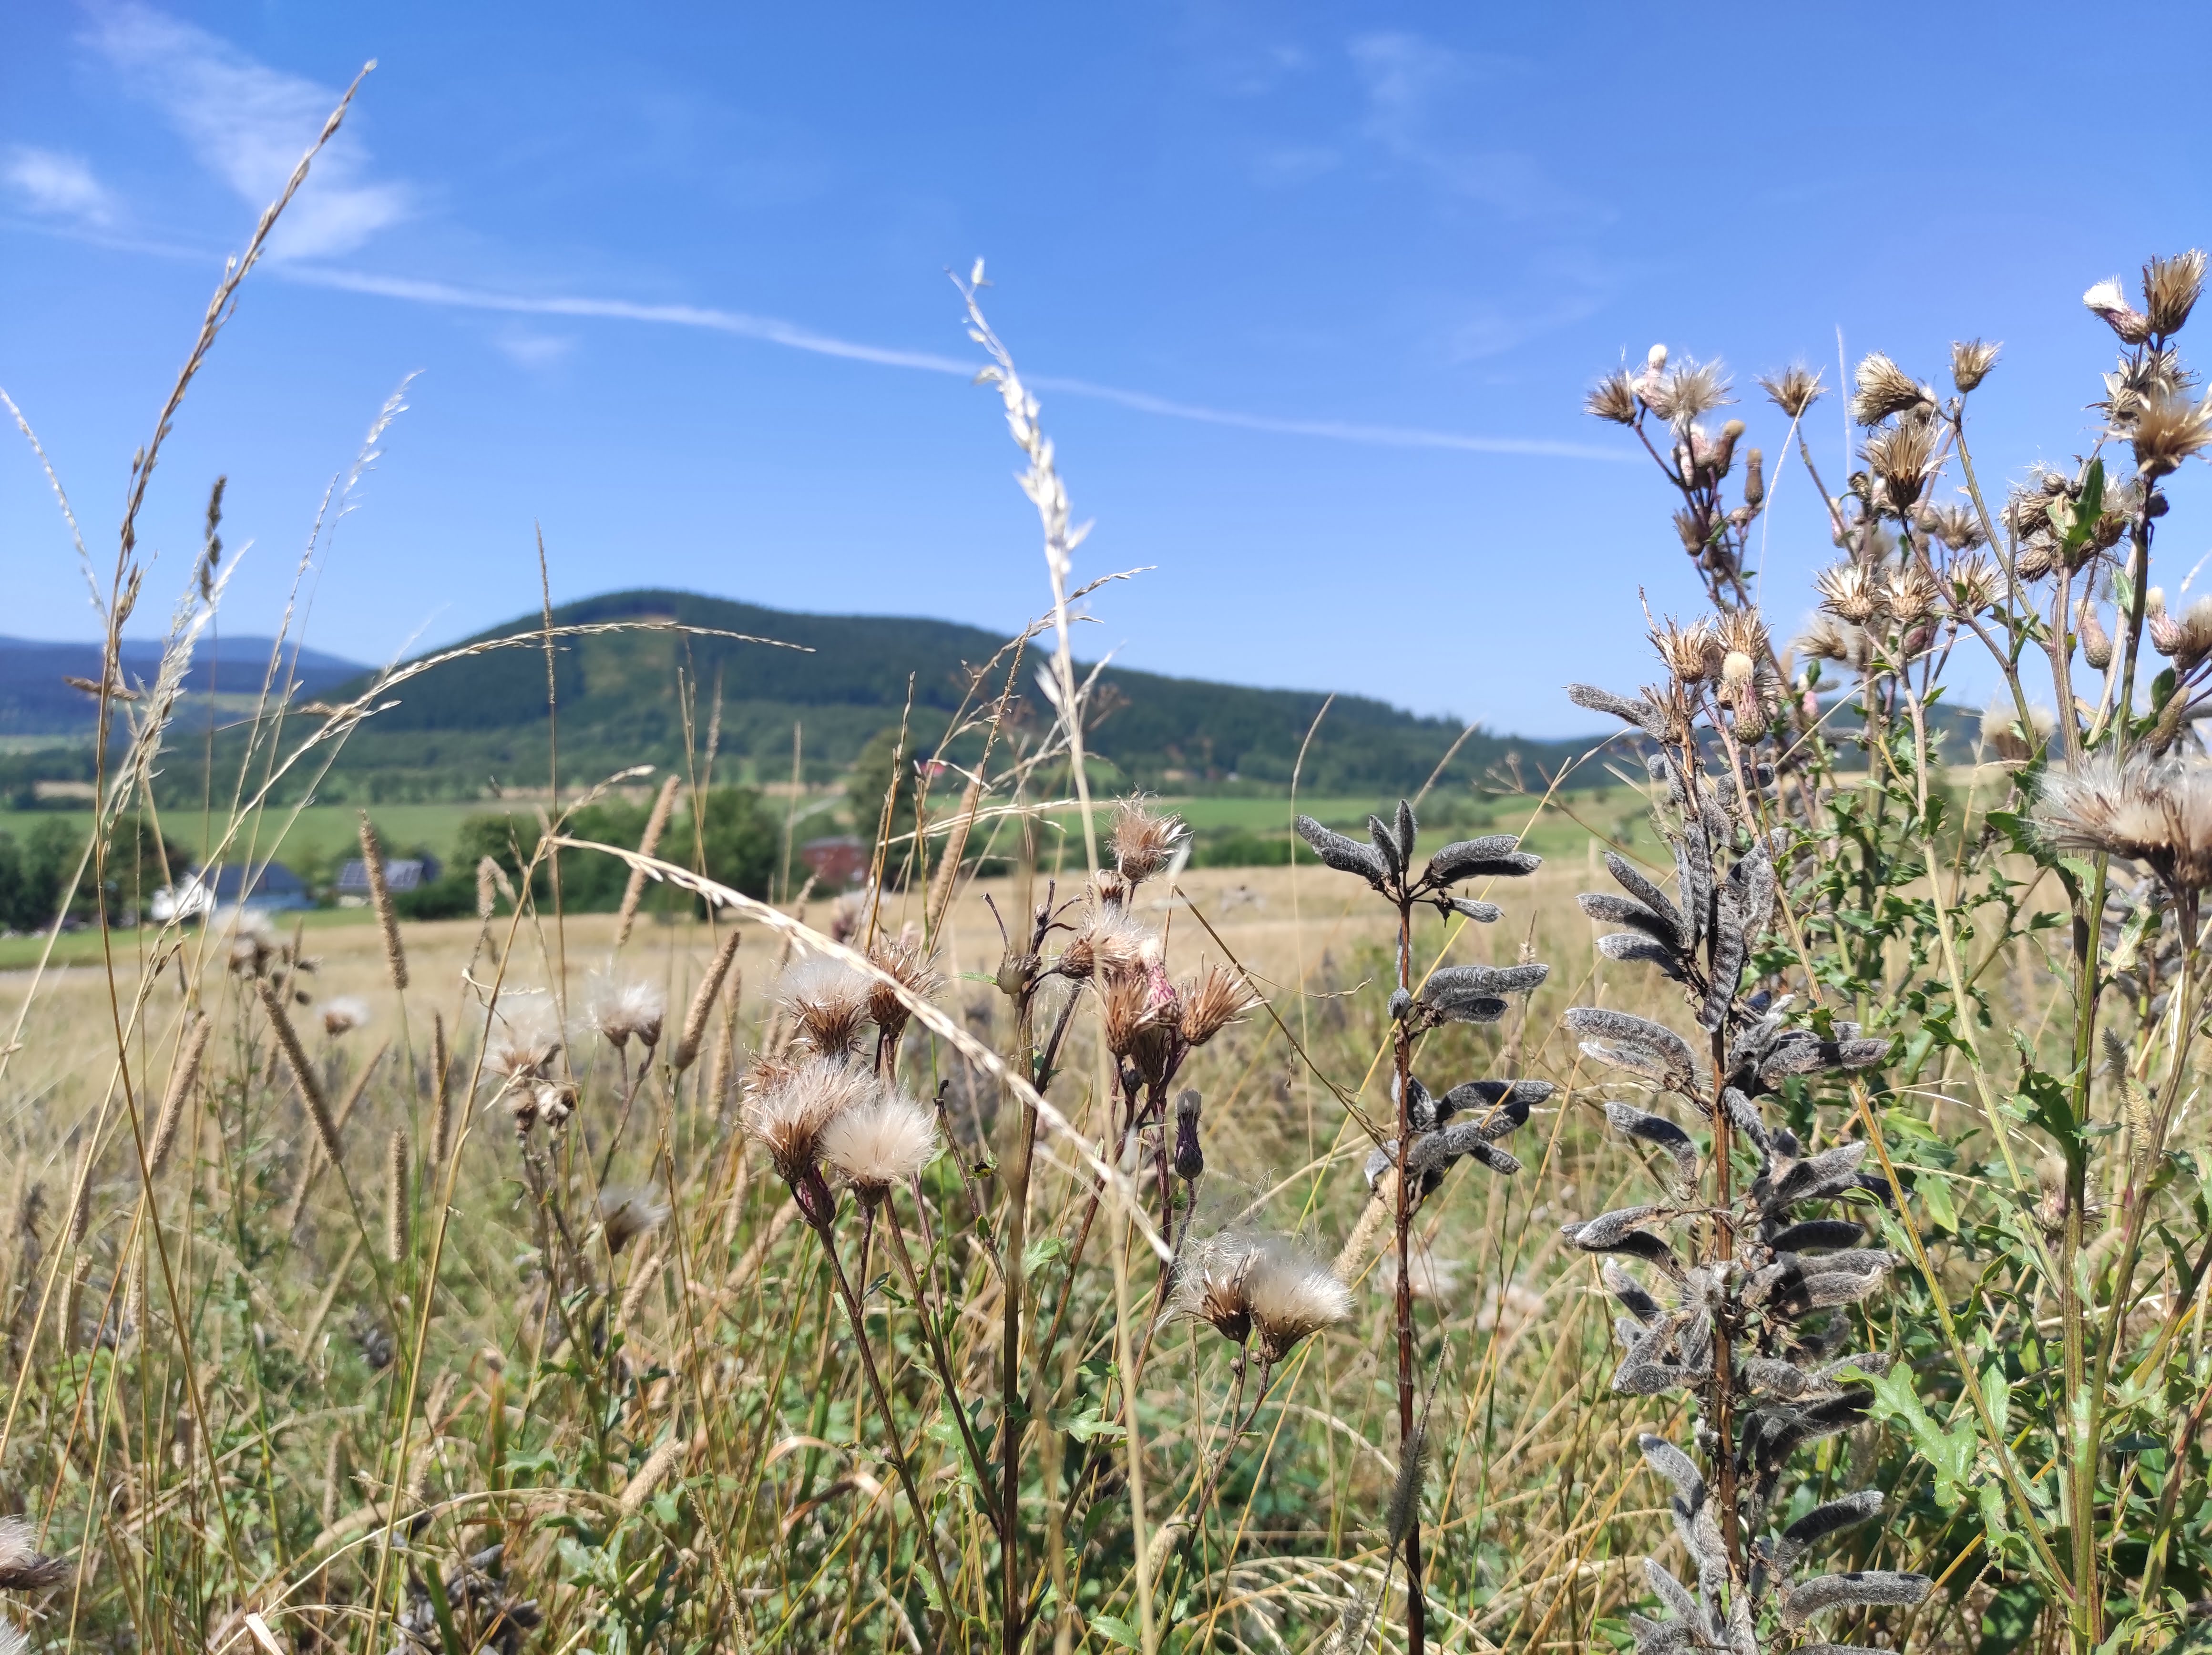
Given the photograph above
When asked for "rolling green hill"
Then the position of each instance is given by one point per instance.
(484, 719)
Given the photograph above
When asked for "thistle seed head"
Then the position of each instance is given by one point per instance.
(524, 1040)
(1143, 841)
(2170, 288)
(1848, 592)
(628, 1211)
(907, 964)
(1213, 1286)
(1293, 1296)
(625, 1009)
(1904, 458)
(881, 1141)
(2166, 431)
(2002, 735)
(788, 1107)
(1692, 654)
(1615, 398)
(1970, 363)
(1885, 388)
(2105, 298)
(342, 1015)
(1956, 523)
(2154, 811)
(1679, 396)
(1793, 390)
(829, 1000)
(1910, 595)
(1215, 999)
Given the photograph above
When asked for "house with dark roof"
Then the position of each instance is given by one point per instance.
(401, 875)
(261, 888)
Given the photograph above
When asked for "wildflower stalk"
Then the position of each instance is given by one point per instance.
(941, 1359)
(1417, 1609)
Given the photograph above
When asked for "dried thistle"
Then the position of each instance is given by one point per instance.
(628, 1211)
(1910, 595)
(523, 1040)
(1970, 363)
(906, 964)
(2089, 628)
(2166, 431)
(1190, 1152)
(1885, 388)
(1144, 842)
(2170, 288)
(829, 1000)
(342, 1015)
(1956, 523)
(1848, 592)
(881, 1141)
(1692, 653)
(2105, 298)
(1793, 390)
(788, 1107)
(2002, 733)
(1691, 388)
(1217, 998)
(379, 898)
(1615, 398)
(22, 1567)
(1292, 1297)
(2154, 811)
(625, 1009)
(1213, 1285)
(1904, 458)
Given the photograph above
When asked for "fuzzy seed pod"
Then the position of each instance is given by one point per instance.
(2096, 643)
(380, 897)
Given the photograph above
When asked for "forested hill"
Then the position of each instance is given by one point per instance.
(619, 702)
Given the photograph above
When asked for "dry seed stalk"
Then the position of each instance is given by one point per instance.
(182, 1079)
(646, 845)
(441, 1093)
(380, 897)
(703, 1003)
(302, 1067)
(395, 1196)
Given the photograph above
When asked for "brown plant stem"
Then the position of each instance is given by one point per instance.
(1417, 1608)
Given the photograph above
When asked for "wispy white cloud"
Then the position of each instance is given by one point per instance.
(56, 186)
(526, 347)
(792, 336)
(249, 124)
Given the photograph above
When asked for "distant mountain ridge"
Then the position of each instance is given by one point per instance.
(35, 698)
(617, 695)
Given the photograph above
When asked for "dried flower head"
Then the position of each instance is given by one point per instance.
(1212, 1287)
(626, 1010)
(253, 944)
(1742, 632)
(1910, 595)
(532, 1103)
(1904, 456)
(1827, 639)
(788, 1106)
(2154, 811)
(1130, 1012)
(1682, 394)
(1218, 997)
(1970, 363)
(907, 964)
(342, 1015)
(2105, 298)
(2003, 736)
(1737, 670)
(524, 1039)
(22, 1567)
(2186, 638)
(2170, 288)
(1144, 842)
(1956, 523)
(629, 1211)
(849, 914)
(1848, 592)
(1886, 389)
(1112, 943)
(2167, 430)
(1973, 584)
(882, 1141)
(1793, 390)
(1614, 397)
(1292, 1297)
(1692, 654)
(829, 1000)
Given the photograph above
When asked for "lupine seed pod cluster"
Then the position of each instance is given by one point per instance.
(1756, 1320)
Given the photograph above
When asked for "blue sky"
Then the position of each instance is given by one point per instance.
(1312, 292)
